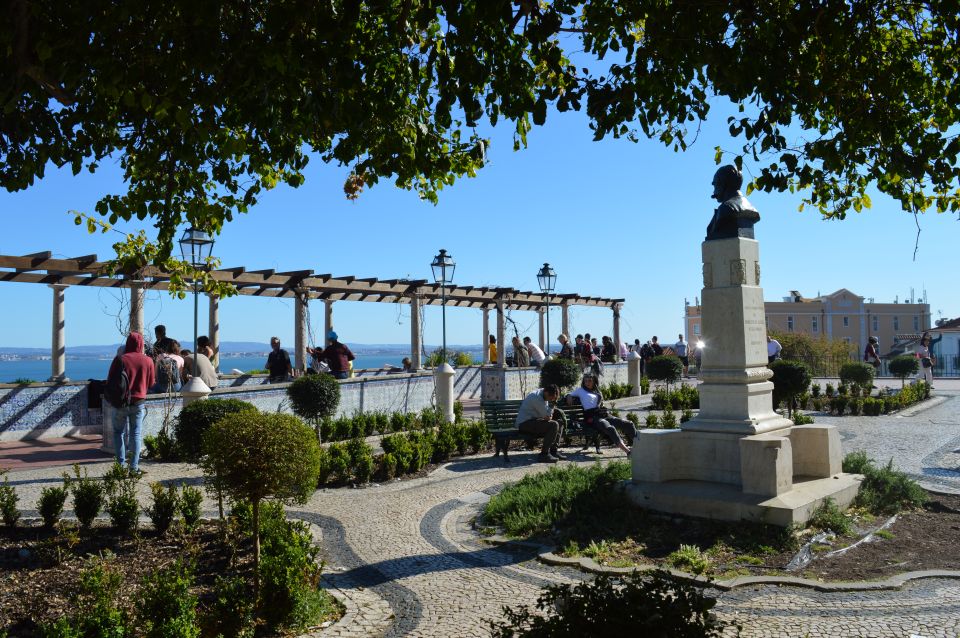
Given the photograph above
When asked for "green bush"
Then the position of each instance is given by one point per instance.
(230, 610)
(686, 415)
(50, 504)
(164, 605)
(843, 390)
(254, 456)
(361, 460)
(838, 404)
(314, 397)
(399, 446)
(325, 467)
(339, 462)
(690, 558)
(644, 384)
(790, 378)
(289, 597)
(885, 490)
(668, 420)
(446, 443)
(422, 444)
(164, 506)
(891, 403)
(801, 419)
(190, 501)
(95, 606)
(856, 406)
(564, 373)
(661, 399)
(8, 502)
(857, 463)
(120, 489)
(88, 495)
(815, 390)
(830, 390)
(666, 368)
(196, 418)
(638, 604)
(478, 437)
(818, 404)
(386, 466)
(538, 501)
(652, 421)
(458, 412)
(904, 366)
(828, 516)
(872, 406)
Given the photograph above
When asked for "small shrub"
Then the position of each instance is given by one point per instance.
(668, 421)
(165, 607)
(314, 397)
(815, 390)
(638, 604)
(843, 390)
(885, 490)
(50, 505)
(802, 419)
(445, 443)
(855, 390)
(838, 405)
(686, 415)
(790, 378)
(167, 449)
(661, 399)
(457, 412)
(339, 462)
(195, 419)
(691, 559)
(461, 435)
(904, 366)
(666, 368)
(857, 463)
(399, 446)
(8, 502)
(478, 436)
(856, 406)
(828, 516)
(564, 373)
(386, 466)
(87, 495)
(891, 404)
(122, 504)
(323, 476)
(830, 391)
(164, 506)
(95, 606)
(190, 501)
(361, 460)
(644, 385)
(818, 404)
(230, 611)
(652, 421)
(872, 406)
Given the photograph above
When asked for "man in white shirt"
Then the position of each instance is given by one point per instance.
(535, 416)
(537, 357)
(773, 349)
(680, 348)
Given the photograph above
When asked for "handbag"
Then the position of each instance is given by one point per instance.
(926, 362)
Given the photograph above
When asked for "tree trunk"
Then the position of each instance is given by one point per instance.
(256, 549)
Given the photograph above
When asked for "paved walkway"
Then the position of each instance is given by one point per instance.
(407, 557)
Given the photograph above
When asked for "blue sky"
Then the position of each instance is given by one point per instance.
(614, 218)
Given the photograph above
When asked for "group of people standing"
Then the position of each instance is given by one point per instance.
(334, 360)
(174, 365)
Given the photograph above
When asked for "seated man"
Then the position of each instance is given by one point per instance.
(537, 417)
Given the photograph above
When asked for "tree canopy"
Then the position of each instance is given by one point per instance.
(206, 105)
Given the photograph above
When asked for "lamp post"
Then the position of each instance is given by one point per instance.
(547, 278)
(443, 267)
(196, 246)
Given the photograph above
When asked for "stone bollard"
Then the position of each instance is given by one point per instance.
(194, 390)
(633, 373)
(443, 376)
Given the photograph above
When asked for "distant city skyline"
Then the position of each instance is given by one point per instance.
(615, 219)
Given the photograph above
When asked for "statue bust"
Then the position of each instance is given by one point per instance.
(735, 216)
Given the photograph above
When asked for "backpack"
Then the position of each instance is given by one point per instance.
(117, 389)
(167, 374)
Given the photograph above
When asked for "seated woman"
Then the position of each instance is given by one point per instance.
(594, 414)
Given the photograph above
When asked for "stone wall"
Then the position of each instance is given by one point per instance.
(56, 410)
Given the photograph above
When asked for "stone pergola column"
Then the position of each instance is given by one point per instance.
(501, 335)
(486, 336)
(327, 320)
(301, 306)
(565, 319)
(213, 329)
(415, 346)
(543, 329)
(136, 307)
(616, 328)
(58, 354)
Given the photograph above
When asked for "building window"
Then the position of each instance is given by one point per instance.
(815, 324)
(790, 323)
(846, 322)
(876, 323)
(696, 328)
(916, 324)
(896, 324)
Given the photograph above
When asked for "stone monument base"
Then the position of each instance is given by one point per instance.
(777, 477)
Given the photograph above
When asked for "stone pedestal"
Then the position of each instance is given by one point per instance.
(194, 390)
(738, 459)
(633, 373)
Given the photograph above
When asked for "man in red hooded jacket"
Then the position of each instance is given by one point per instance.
(141, 375)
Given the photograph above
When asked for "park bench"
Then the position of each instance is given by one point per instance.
(501, 418)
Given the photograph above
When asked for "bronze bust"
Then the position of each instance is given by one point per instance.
(735, 216)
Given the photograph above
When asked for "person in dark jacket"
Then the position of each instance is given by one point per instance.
(278, 362)
(338, 356)
(129, 420)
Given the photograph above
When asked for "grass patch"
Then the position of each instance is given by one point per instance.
(885, 490)
(884, 534)
(691, 559)
(538, 502)
(856, 463)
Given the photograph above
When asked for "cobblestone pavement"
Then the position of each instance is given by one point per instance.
(406, 557)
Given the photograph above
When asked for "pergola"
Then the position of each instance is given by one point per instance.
(303, 285)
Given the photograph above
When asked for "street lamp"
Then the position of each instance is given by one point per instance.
(443, 267)
(196, 246)
(547, 279)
